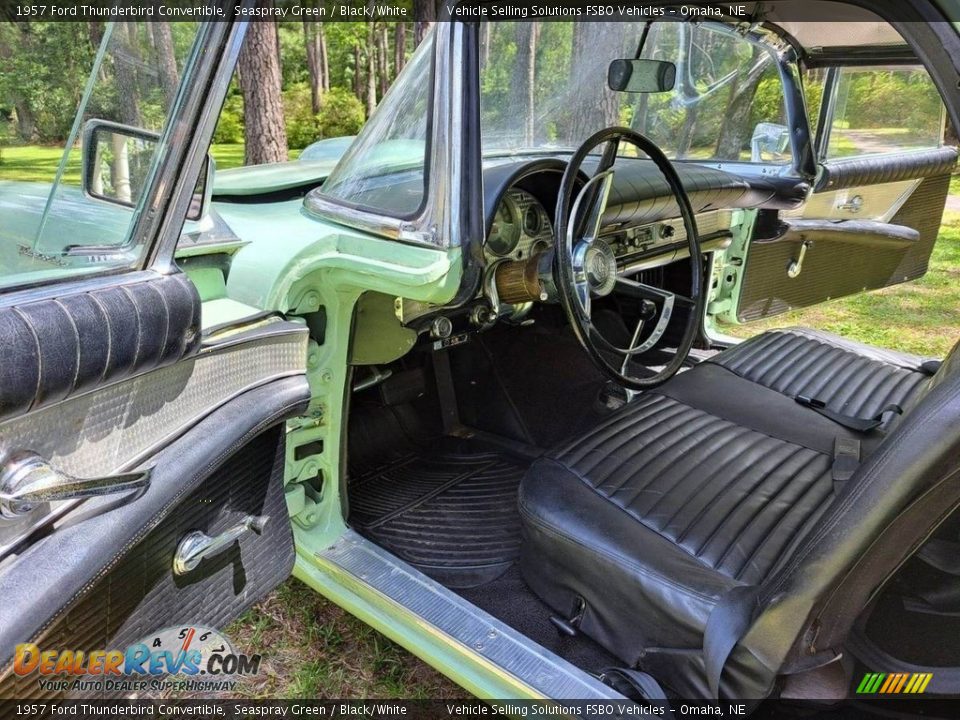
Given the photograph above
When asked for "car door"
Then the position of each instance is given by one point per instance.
(141, 451)
(877, 202)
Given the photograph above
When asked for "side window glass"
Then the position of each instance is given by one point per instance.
(82, 108)
(883, 110)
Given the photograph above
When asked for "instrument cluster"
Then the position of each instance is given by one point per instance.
(520, 228)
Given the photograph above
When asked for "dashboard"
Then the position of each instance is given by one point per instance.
(641, 225)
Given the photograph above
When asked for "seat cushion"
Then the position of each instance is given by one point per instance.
(704, 484)
(655, 514)
(850, 378)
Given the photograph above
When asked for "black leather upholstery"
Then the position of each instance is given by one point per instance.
(55, 348)
(849, 377)
(720, 479)
(878, 169)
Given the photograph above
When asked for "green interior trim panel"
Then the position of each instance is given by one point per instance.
(378, 335)
(319, 272)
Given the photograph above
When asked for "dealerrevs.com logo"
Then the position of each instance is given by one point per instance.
(177, 658)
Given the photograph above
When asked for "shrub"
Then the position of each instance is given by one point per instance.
(340, 114)
(230, 125)
(302, 126)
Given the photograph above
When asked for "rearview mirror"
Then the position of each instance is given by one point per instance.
(116, 166)
(641, 76)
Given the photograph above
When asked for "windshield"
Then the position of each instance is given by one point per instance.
(544, 88)
(383, 170)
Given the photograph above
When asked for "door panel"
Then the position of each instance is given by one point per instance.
(881, 162)
(809, 262)
(836, 263)
(227, 468)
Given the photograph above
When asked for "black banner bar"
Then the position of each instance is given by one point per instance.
(446, 10)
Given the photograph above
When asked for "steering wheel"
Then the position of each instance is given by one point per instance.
(585, 266)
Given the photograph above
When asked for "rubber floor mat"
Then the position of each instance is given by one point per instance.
(453, 516)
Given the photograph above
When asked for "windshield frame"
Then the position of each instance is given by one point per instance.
(443, 140)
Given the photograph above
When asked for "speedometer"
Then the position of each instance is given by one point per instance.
(505, 231)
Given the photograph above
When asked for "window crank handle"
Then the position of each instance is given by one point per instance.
(197, 545)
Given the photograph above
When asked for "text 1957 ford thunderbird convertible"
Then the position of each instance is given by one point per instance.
(467, 375)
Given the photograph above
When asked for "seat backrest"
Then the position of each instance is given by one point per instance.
(907, 487)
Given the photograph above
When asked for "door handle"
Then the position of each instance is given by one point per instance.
(854, 204)
(28, 480)
(795, 266)
(197, 545)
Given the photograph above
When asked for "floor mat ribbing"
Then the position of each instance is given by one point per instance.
(452, 515)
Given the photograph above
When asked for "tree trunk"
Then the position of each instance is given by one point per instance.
(26, 122)
(311, 42)
(399, 47)
(166, 60)
(323, 58)
(357, 74)
(383, 59)
(96, 33)
(426, 13)
(598, 107)
(484, 44)
(125, 61)
(371, 69)
(950, 134)
(734, 128)
(265, 131)
(524, 70)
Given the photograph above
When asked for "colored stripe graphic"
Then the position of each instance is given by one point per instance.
(894, 683)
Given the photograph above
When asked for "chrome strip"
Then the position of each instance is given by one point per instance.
(117, 427)
(461, 621)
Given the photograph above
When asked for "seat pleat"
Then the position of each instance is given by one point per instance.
(621, 434)
(815, 498)
(675, 469)
(796, 362)
(721, 460)
(668, 461)
(576, 450)
(786, 361)
(772, 462)
(815, 358)
(772, 509)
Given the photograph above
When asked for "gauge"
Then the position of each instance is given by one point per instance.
(531, 221)
(505, 231)
(540, 246)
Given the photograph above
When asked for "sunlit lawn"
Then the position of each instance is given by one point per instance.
(39, 163)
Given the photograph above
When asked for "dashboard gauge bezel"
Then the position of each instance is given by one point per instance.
(510, 205)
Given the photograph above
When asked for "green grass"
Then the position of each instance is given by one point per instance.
(231, 155)
(311, 648)
(37, 163)
(920, 317)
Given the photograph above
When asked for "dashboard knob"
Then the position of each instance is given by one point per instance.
(441, 328)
